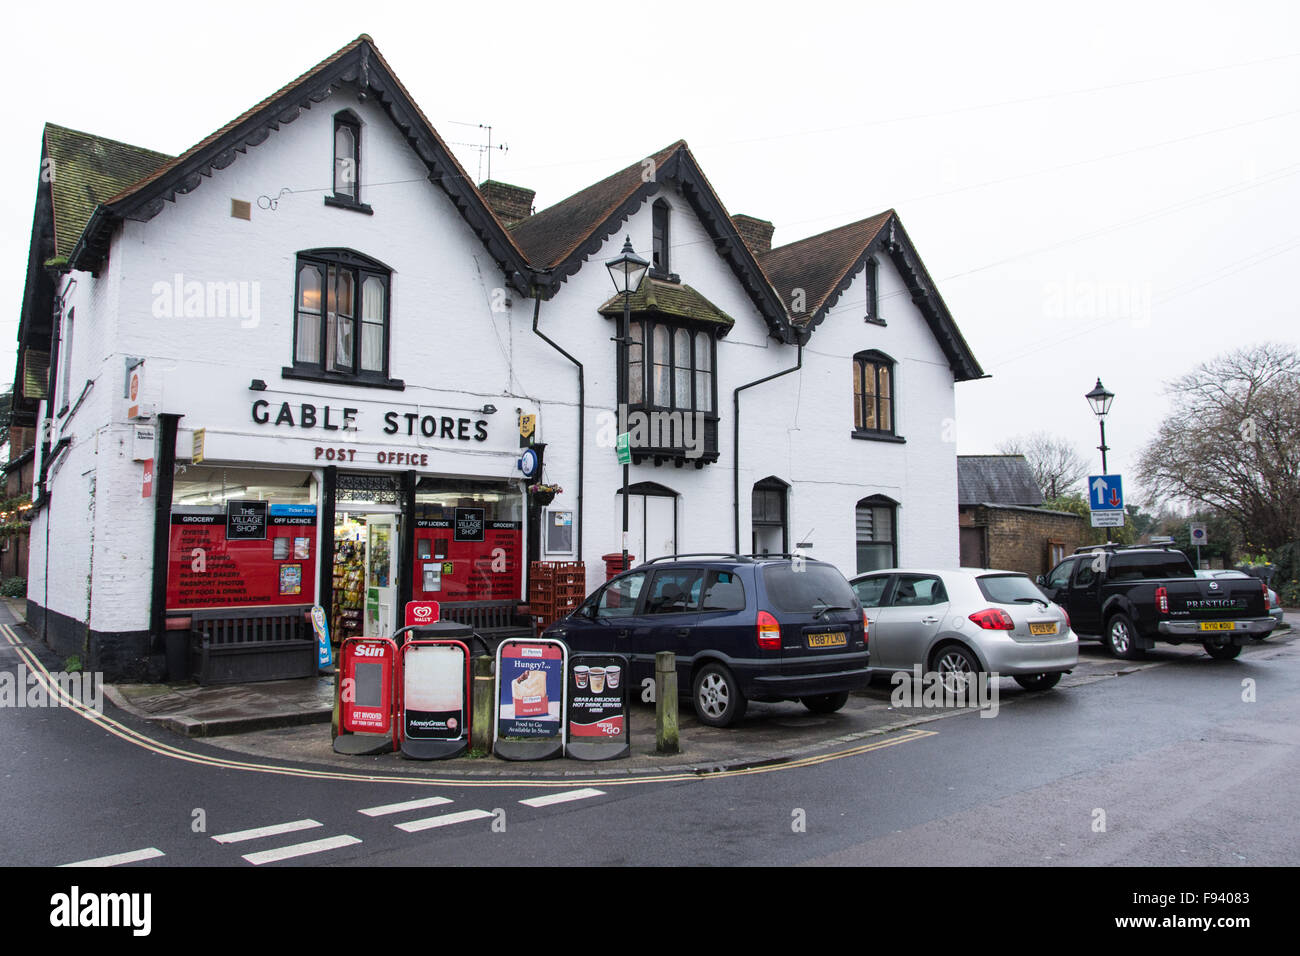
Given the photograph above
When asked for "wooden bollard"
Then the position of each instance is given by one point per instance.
(483, 704)
(667, 740)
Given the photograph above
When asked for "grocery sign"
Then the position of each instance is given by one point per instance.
(530, 696)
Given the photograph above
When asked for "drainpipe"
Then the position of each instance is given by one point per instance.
(582, 406)
(735, 453)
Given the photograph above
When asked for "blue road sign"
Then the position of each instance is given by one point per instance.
(1105, 493)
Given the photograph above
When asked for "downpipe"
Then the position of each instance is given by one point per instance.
(735, 451)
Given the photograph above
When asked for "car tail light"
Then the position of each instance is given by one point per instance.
(994, 619)
(1267, 601)
(1162, 600)
(1066, 614)
(866, 630)
(769, 632)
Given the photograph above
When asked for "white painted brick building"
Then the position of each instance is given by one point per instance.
(391, 312)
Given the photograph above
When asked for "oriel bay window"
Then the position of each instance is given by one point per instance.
(341, 318)
(672, 389)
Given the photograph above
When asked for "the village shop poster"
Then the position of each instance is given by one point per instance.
(467, 558)
(207, 568)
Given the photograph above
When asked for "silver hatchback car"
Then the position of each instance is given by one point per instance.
(961, 622)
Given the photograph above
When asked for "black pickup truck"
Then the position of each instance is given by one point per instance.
(1132, 597)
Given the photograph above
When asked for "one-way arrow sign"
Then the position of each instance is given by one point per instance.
(1106, 493)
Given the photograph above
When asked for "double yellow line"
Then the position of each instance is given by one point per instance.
(120, 730)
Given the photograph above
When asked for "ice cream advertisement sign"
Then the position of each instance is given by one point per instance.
(530, 694)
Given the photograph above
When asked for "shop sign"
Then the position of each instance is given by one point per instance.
(146, 480)
(321, 627)
(530, 695)
(246, 520)
(484, 567)
(433, 721)
(469, 524)
(597, 706)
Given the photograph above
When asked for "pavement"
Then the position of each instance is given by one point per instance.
(289, 720)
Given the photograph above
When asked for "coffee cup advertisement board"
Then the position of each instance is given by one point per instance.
(530, 696)
(433, 687)
(597, 707)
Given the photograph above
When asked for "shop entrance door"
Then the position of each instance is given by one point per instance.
(381, 575)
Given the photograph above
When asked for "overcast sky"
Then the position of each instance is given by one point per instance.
(1099, 189)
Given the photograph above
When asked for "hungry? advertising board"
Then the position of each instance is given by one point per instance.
(530, 699)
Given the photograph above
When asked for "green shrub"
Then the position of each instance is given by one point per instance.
(14, 587)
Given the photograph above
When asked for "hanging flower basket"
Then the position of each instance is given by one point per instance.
(544, 494)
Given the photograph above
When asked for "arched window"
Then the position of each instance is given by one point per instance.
(873, 394)
(659, 244)
(877, 533)
(341, 317)
(347, 163)
(770, 516)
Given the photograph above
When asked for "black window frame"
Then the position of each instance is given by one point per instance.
(876, 501)
(872, 362)
(660, 240)
(765, 487)
(361, 267)
(871, 276)
(349, 120)
(698, 332)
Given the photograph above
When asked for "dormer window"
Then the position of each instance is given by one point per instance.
(347, 163)
(659, 246)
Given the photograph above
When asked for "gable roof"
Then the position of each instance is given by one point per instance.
(825, 265)
(559, 239)
(360, 65)
(673, 299)
(89, 170)
(996, 480)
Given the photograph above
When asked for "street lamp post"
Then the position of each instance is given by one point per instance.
(1099, 398)
(627, 271)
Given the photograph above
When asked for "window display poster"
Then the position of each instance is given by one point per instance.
(530, 685)
(489, 569)
(208, 569)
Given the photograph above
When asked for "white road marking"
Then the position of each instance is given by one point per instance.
(274, 830)
(117, 859)
(388, 808)
(564, 797)
(447, 819)
(300, 849)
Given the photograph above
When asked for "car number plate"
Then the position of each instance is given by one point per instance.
(1217, 626)
(1046, 628)
(828, 639)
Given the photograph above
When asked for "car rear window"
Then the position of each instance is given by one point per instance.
(807, 588)
(1146, 567)
(1009, 589)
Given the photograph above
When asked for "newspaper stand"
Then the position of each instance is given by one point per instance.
(365, 700)
(433, 702)
(530, 699)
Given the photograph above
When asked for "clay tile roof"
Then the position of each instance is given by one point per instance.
(673, 299)
(550, 236)
(88, 170)
(996, 480)
(820, 263)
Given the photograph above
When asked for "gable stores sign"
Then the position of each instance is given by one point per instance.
(371, 432)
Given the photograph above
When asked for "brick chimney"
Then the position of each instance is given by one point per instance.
(510, 203)
(757, 233)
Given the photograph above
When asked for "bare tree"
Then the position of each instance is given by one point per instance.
(1056, 465)
(1230, 442)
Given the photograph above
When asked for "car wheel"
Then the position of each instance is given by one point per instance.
(1120, 638)
(826, 703)
(1039, 681)
(1222, 652)
(718, 699)
(957, 669)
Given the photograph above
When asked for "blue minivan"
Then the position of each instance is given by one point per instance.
(766, 628)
